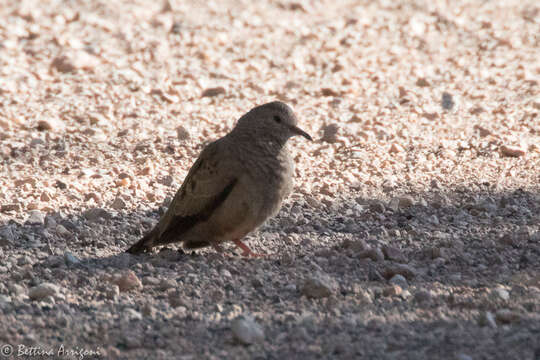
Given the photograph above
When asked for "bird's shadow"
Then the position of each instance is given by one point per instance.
(498, 232)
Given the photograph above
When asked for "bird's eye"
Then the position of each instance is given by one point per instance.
(277, 119)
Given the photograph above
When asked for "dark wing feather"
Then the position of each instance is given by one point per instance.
(179, 224)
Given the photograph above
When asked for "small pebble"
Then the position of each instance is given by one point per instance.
(394, 254)
(118, 204)
(374, 254)
(506, 316)
(128, 281)
(392, 290)
(447, 101)
(63, 64)
(318, 286)
(423, 296)
(512, 151)
(62, 231)
(132, 314)
(35, 217)
(246, 330)
(182, 134)
(502, 294)
(11, 207)
(401, 269)
(71, 259)
(95, 214)
(395, 148)
(51, 125)
(42, 291)
(399, 280)
(330, 133)
(211, 92)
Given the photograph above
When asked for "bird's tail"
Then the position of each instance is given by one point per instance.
(146, 243)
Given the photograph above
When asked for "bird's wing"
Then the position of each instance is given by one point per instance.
(207, 185)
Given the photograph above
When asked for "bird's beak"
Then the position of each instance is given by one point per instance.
(297, 131)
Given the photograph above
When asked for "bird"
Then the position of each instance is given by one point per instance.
(236, 184)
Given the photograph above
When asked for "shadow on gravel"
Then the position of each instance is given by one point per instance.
(453, 249)
(444, 235)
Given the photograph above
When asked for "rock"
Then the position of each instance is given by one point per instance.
(4, 300)
(405, 202)
(329, 92)
(508, 240)
(35, 217)
(374, 254)
(148, 310)
(118, 204)
(506, 316)
(16, 289)
(399, 280)
(62, 231)
(11, 207)
(501, 294)
(63, 64)
(95, 214)
(462, 356)
(393, 253)
(447, 101)
(50, 222)
(512, 151)
(24, 260)
(395, 148)
(215, 91)
(330, 133)
(487, 205)
(392, 290)
(392, 269)
(7, 236)
(356, 245)
(176, 298)
(422, 82)
(423, 296)
(150, 280)
(70, 259)
(128, 281)
(246, 330)
(51, 124)
(318, 286)
(131, 314)
(182, 134)
(45, 196)
(176, 28)
(60, 184)
(166, 180)
(42, 291)
(377, 207)
(111, 291)
(166, 284)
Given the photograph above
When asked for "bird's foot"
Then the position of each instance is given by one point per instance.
(246, 251)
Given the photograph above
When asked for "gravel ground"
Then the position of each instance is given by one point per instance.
(413, 231)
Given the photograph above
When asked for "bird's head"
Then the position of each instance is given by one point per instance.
(274, 120)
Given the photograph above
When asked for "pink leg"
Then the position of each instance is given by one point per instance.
(246, 252)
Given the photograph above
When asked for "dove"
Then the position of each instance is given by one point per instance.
(235, 185)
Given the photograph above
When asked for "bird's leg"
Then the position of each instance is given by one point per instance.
(246, 252)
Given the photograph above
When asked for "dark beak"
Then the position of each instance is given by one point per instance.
(297, 131)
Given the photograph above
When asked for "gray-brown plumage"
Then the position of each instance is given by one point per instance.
(237, 183)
